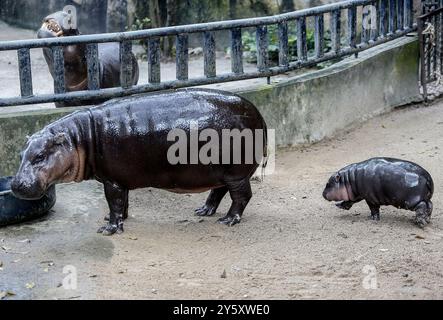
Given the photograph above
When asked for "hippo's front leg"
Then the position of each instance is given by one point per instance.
(117, 198)
(345, 205)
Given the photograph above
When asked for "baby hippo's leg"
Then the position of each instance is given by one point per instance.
(423, 213)
(375, 211)
(429, 212)
(117, 198)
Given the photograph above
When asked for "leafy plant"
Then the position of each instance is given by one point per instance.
(250, 44)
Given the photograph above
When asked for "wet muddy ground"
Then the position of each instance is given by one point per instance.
(291, 244)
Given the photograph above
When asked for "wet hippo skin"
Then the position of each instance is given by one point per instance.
(124, 144)
(381, 182)
(76, 76)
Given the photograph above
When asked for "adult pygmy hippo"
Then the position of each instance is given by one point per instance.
(76, 75)
(124, 144)
(383, 181)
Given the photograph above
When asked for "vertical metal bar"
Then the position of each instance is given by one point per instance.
(93, 66)
(209, 55)
(262, 48)
(382, 5)
(283, 52)
(400, 14)
(352, 26)
(236, 51)
(182, 57)
(441, 44)
(422, 58)
(319, 36)
(302, 45)
(24, 66)
(126, 64)
(434, 47)
(59, 70)
(392, 14)
(154, 60)
(375, 18)
(365, 32)
(335, 30)
(408, 14)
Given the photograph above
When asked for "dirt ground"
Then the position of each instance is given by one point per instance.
(291, 244)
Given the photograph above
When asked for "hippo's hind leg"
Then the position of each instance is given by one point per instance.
(423, 212)
(240, 192)
(117, 198)
(125, 213)
(212, 203)
(429, 212)
(375, 211)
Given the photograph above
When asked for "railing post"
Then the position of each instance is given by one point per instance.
(302, 45)
(283, 52)
(210, 68)
(400, 14)
(407, 4)
(352, 27)
(262, 48)
(93, 66)
(24, 65)
(126, 64)
(182, 56)
(154, 73)
(382, 8)
(319, 36)
(236, 51)
(336, 30)
(59, 70)
(392, 13)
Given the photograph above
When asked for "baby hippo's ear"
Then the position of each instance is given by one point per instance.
(59, 138)
(337, 177)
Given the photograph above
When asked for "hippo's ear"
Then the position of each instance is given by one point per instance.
(59, 138)
(337, 177)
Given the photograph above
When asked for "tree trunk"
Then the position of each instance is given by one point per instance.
(171, 20)
(154, 13)
(232, 9)
(287, 6)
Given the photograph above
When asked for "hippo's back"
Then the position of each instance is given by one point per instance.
(133, 144)
(385, 180)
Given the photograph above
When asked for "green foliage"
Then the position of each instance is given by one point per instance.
(250, 45)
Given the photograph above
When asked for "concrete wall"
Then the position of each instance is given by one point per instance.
(313, 106)
(305, 109)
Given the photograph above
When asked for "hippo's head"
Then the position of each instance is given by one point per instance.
(58, 24)
(47, 159)
(335, 189)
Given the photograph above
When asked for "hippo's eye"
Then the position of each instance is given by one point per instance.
(38, 159)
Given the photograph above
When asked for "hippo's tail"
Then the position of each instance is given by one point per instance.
(430, 185)
(265, 150)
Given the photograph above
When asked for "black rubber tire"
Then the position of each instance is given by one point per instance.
(14, 210)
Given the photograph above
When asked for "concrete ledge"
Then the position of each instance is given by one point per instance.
(313, 106)
(304, 109)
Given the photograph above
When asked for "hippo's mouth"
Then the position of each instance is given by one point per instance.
(53, 27)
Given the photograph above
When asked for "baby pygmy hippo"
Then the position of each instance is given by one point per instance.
(382, 182)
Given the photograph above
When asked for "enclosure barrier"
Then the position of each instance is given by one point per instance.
(429, 27)
(381, 21)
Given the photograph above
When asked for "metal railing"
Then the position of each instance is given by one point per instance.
(382, 21)
(430, 36)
